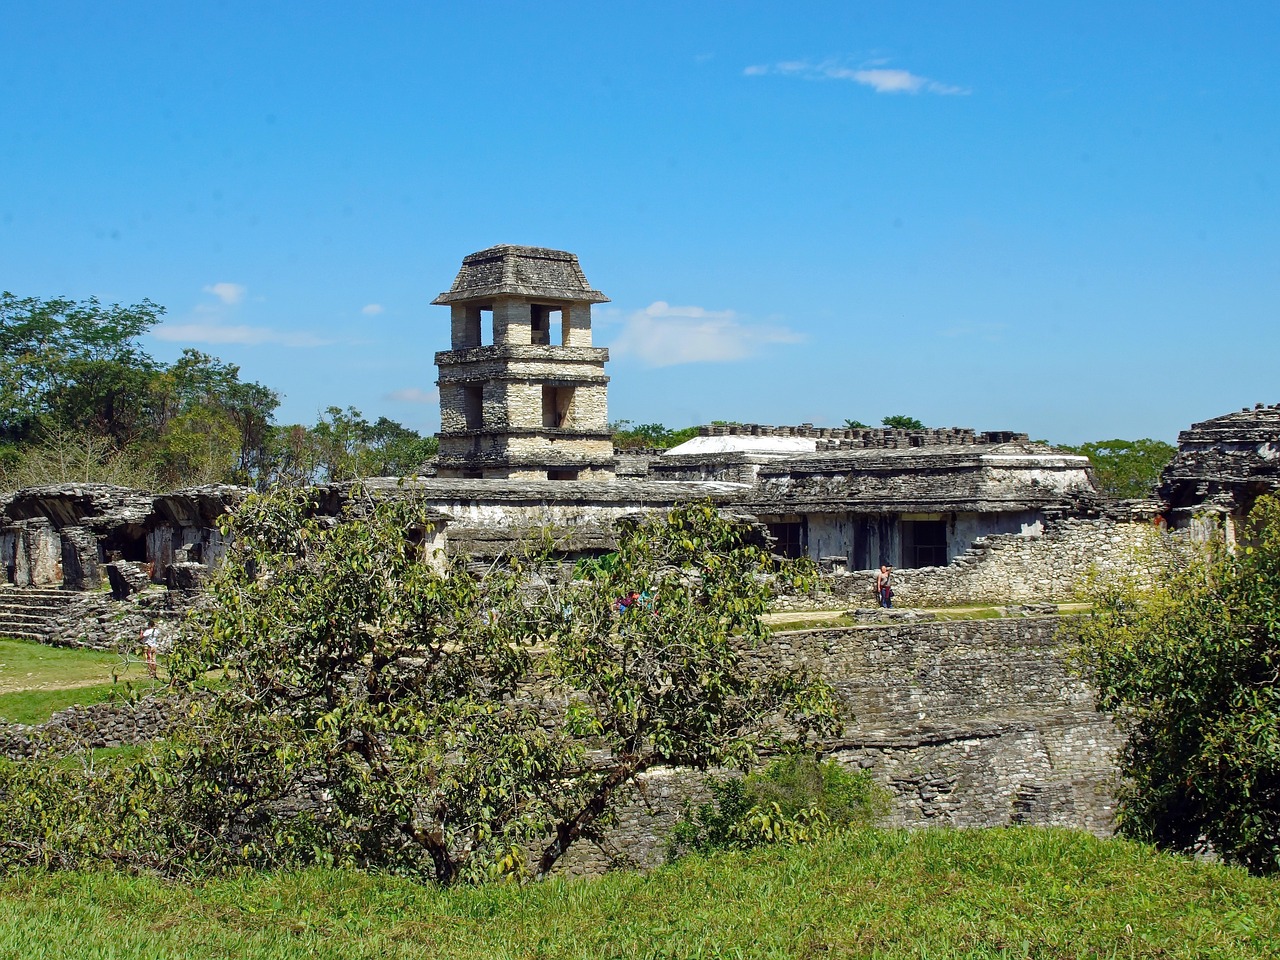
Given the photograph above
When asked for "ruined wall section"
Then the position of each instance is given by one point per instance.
(1011, 568)
(965, 723)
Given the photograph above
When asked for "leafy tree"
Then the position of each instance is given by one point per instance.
(1191, 668)
(343, 445)
(1126, 469)
(855, 425)
(59, 455)
(200, 445)
(629, 436)
(78, 363)
(902, 422)
(451, 724)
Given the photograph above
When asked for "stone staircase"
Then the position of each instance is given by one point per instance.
(28, 613)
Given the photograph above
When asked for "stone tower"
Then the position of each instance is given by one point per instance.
(523, 394)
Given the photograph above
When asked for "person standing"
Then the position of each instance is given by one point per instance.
(150, 637)
(884, 588)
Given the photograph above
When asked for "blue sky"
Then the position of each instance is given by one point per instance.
(1061, 219)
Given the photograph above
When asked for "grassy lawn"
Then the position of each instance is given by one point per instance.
(37, 706)
(36, 680)
(930, 894)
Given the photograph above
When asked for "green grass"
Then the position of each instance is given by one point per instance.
(930, 894)
(37, 706)
(28, 666)
(38, 680)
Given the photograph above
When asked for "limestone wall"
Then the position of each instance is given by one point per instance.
(966, 723)
(1008, 568)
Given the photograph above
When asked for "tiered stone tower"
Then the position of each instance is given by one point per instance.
(523, 394)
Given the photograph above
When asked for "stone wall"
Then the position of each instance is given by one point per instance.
(94, 621)
(965, 723)
(111, 724)
(976, 723)
(1007, 568)
(845, 438)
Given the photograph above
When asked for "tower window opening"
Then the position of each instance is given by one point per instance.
(557, 406)
(546, 325)
(473, 405)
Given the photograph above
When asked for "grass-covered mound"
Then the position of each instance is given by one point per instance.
(935, 894)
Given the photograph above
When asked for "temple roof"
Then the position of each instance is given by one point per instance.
(533, 272)
(1225, 462)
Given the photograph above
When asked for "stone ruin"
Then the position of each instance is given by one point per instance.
(970, 723)
(1222, 466)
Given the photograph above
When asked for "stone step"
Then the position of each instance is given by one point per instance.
(23, 616)
(23, 635)
(51, 597)
(30, 613)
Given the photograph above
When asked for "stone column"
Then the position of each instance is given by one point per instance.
(81, 559)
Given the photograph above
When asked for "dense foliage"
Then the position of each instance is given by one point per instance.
(81, 400)
(379, 707)
(631, 436)
(1126, 469)
(795, 799)
(1192, 669)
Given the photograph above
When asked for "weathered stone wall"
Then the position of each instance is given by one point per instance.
(966, 723)
(31, 553)
(112, 724)
(1007, 568)
(94, 621)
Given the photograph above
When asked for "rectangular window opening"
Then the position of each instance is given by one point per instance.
(557, 407)
(790, 539)
(546, 327)
(486, 328)
(562, 474)
(924, 543)
(473, 406)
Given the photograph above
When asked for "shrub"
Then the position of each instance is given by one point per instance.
(795, 799)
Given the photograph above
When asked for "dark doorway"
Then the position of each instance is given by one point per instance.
(924, 543)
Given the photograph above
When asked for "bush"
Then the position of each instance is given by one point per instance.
(795, 799)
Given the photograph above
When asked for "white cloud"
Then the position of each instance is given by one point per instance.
(415, 395)
(217, 332)
(662, 336)
(879, 78)
(228, 293)
(372, 309)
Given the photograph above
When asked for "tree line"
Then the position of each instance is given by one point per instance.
(81, 399)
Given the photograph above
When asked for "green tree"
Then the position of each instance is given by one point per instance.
(1191, 668)
(75, 363)
(855, 425)
(630, 436)
(901, 422)
(1126, 469)
(454, 723)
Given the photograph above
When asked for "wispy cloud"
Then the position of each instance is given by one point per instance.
(372, 309)
(414, 395)
(878, 77)
(228, 293)
(212, 322)
(661, 335)
(218, 332)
